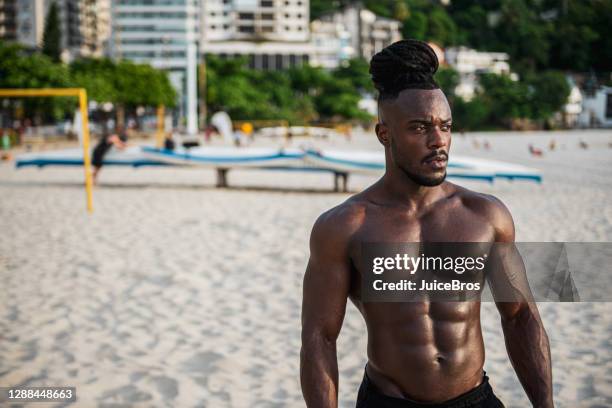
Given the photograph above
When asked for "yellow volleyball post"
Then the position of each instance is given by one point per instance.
(161, 126)
(80, 93)
(86, 156)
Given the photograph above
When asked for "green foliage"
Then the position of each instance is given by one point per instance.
(415, 26)
(506, 98)
(356, 71)
(18, 70)
(549, 92)
(536, 98)
(299, 95)
(448, 79)
(124, 83)
(321, 7)
(105, 81)
(97, 77)
(52, 35)
(538, 34)
(472, 115)
(441, 28)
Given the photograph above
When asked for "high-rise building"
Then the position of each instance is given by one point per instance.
(366, 32)
(273, 34)
(84, 27)
(153, 31)
(164, 34)
(84, 24)
(8, 20)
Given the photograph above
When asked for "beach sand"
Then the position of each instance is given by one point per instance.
(174, 293)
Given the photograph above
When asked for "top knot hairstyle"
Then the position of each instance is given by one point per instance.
(405, 64)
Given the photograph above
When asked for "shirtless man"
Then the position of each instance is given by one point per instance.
(419, 353)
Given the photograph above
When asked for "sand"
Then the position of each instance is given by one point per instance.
(174, 293)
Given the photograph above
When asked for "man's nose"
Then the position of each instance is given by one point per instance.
(436, 138)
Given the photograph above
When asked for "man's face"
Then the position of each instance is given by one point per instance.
(415, 129)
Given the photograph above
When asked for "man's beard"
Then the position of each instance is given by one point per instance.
(424, 180)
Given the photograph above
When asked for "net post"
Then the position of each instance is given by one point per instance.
(82, 93)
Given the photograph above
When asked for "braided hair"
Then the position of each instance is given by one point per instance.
(405, 64)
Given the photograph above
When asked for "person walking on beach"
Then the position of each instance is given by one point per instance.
(421, 353)
(117, 139)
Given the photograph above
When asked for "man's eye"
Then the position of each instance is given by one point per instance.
(420, 128)
(446, 128)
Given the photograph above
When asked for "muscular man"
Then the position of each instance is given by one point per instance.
(420, 353)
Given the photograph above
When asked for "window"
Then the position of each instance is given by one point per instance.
(246, 16)
(279, 62)
(267, 3)
(267, 16)
(246, 29)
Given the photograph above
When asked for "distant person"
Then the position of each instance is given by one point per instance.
(535, 151)
(117, 139)
(583, 145)
(552, 145)
(209, 132)
(169, 143)
(487, 145)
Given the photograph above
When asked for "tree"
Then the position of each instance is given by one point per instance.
(550, 91)
(472, 115)
(19, 70)
(441, 28)
(448, 79)
(357, 72)
(415, 26)
(52, 35)
(97, 76)
(298, 95)
(523, 35)
(506, 98)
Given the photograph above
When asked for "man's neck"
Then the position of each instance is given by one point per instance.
(397, 188)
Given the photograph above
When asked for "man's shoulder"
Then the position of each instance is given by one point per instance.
(490, 208)
(344, 216)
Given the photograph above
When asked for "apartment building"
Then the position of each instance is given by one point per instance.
(84, 24)
(272, 34)
(164, 34)
(365, 33)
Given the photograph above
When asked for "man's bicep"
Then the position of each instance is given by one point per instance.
(326, 286)
(507, 279)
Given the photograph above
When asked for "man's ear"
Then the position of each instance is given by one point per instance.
(382, 132)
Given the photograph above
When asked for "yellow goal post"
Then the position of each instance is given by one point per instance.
(80, 93)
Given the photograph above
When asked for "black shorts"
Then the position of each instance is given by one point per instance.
(480, 397)
(97, 156)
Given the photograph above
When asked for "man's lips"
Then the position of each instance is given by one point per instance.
(436, 161)
(437, 157)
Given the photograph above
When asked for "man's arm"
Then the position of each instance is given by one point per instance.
(526, 340)
(326, 287)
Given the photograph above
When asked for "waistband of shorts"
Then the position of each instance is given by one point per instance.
(474, 396)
